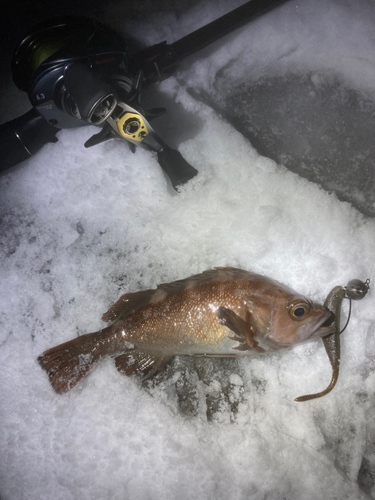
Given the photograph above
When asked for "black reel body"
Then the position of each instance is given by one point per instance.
(76, 72)
(64, 65)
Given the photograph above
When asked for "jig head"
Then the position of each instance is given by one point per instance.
(357, 289)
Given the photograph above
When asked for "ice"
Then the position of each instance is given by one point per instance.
(282, 70)
(80, 227)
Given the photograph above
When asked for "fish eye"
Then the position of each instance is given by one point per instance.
(298, 309)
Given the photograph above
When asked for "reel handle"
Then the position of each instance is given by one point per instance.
(175, 166)
(95, 99)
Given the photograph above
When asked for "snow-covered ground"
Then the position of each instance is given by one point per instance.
(80, 227)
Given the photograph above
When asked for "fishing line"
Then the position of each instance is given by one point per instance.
(350, 312)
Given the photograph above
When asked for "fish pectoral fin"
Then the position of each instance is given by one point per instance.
(242, 347)
(133, 362)
(236, 338)
(241, 329)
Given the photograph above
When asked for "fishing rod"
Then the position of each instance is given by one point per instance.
(78, 71)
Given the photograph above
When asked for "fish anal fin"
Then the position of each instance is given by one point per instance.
(133, 362)
(244, 330)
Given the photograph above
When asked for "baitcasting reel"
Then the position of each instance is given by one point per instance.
(76, 72)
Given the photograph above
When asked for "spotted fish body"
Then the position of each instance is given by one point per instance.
(225, 312)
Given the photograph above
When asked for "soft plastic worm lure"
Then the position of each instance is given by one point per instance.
(355, 290)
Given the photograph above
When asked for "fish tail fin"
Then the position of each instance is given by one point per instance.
(67, 363)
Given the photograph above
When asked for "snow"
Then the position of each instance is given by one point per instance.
(80, 227)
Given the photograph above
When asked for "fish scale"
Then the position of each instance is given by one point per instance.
(188, 319)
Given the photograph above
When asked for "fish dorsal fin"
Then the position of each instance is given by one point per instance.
(209, 276)
(244, 331)
(131, 302)
(132, 362)
(128, 304)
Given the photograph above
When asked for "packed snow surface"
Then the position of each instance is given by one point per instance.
(80, 227)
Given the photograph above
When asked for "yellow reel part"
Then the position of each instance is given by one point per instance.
(132, 126)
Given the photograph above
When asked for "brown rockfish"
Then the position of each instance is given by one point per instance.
(225, 312)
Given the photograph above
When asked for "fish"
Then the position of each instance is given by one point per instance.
(222, 312)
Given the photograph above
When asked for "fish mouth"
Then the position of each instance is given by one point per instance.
(317, 328)
(326, 327)
(330, 320)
